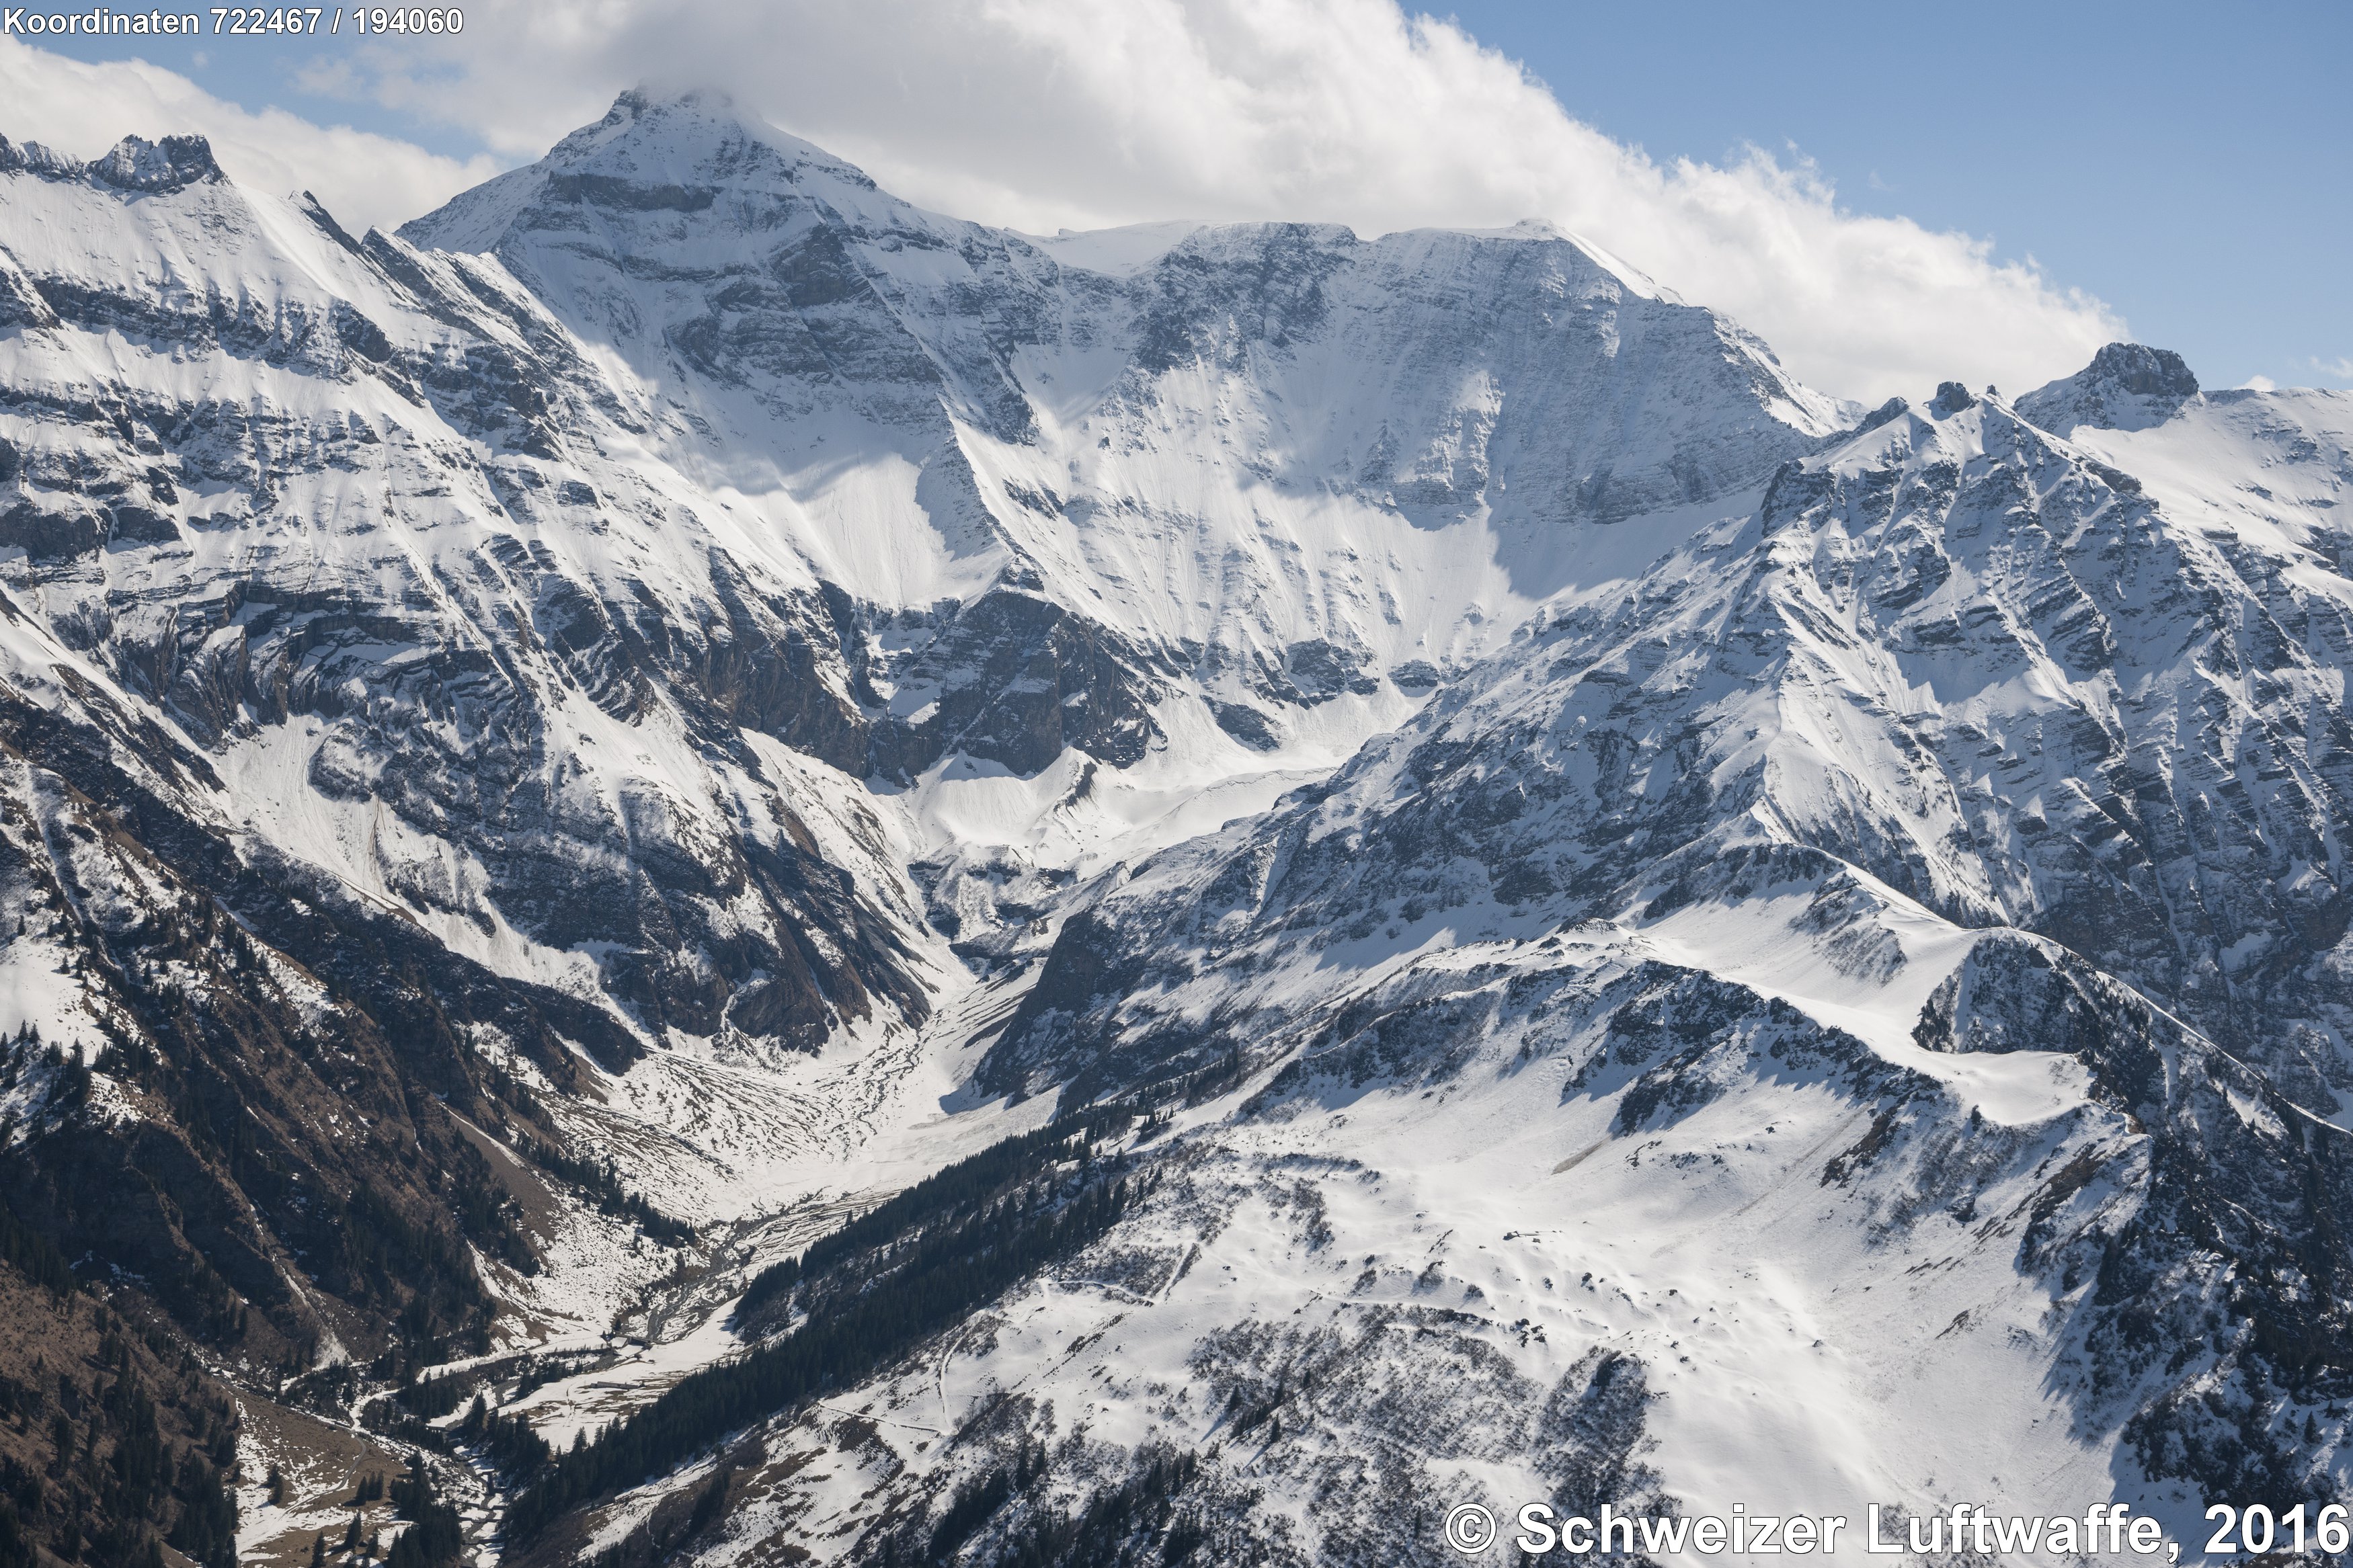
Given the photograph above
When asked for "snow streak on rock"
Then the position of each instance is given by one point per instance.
(1682, 944)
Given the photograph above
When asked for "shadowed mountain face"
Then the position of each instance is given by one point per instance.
(1612, 899)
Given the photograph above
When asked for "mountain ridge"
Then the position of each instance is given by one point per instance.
(610, 731)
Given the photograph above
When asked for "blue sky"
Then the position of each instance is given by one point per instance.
(2190, 165)
(266, 71)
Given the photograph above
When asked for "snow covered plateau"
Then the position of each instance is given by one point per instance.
(1393, 872)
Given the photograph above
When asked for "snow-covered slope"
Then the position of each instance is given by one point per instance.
(1219, 446)
(1681, 945)
(350, 605)
(371, 526)
(1868, 994)
(1242, 492)
(1973, 663)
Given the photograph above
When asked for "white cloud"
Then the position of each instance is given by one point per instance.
(83, 109)
(2260, 384)
(1042, 113)
(1046, 114)
(2339, 369)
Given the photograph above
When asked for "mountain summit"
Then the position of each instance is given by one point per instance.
(2127, 387)
(724, 870)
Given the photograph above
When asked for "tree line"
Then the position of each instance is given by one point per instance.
(871, 1290)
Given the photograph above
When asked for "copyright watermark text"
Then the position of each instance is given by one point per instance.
(234, 22)
(1537, 1529)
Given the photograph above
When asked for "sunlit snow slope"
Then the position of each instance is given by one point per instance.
(1669, 943)
(1216, 509)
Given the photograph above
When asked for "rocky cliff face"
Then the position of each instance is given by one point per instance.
(1200, 504)
(928, 408)
(377, 560)
(547, 760)
(1984, 669)
(1964, 742)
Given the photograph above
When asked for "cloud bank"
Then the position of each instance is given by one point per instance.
(1043, 114)
(1047, 113)
(83, 109)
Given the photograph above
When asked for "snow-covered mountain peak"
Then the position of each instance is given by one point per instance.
(137, 165)
(153, 241)
(1635, 279)
(1286, 474)
(2128, 386)
(1210, 519)
(650, 155)
(685, 658)
(1950, 399)
(134, 164)
(35, 156)
(700, 127)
